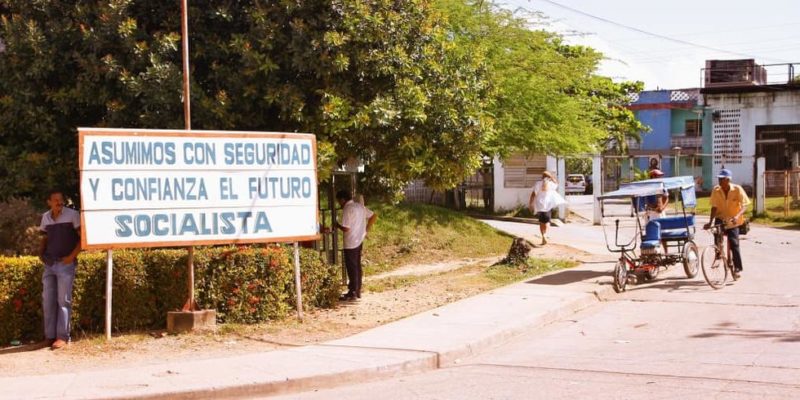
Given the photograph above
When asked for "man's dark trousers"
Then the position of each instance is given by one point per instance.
(733, 243)
(352, 262)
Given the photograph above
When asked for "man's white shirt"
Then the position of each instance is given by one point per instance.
(354, 217)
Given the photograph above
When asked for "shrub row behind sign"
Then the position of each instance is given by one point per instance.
(244, 285)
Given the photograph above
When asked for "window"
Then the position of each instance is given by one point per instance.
(522, 172)
(694, 127)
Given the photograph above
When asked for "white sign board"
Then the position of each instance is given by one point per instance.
(152, 188)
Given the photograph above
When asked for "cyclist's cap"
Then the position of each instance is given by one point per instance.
(725, 173)
(656, 173)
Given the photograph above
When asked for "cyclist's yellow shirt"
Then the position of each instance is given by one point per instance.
(730, 205)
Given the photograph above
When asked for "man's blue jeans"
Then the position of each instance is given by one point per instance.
(733, 243)
(57, 299)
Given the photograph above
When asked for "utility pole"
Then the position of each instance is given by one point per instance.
(191, 304)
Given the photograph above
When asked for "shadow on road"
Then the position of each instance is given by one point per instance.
(670, 284)
(567, 277)
(729, 329)
(24, 348)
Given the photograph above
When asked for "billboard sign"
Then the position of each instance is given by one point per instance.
(154, 188)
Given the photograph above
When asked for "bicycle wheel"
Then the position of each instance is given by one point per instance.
(714, 269)
(651, 272)
(691, 259)
(620, 276)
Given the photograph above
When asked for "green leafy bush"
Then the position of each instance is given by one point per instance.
(244, 285)
(19, 233)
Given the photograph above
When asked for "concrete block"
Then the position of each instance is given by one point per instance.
(187, 321)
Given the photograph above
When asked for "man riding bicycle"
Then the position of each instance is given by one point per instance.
(728, 204)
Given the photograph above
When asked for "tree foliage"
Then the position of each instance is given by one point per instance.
(68, 64)
(414, 89)
(547, 96)
(377, 80)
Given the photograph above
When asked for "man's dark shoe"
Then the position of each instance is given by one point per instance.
(737, 273)
(347, 297)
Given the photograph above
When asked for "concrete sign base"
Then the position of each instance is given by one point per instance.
(187, 321)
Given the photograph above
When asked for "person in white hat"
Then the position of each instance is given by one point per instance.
(728, 204)
(544, 198)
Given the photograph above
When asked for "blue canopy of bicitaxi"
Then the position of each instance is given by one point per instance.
(657, 186)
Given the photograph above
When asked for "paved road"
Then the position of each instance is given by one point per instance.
(582, 205)
(673, 338)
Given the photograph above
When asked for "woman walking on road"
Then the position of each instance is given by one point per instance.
(543, 199)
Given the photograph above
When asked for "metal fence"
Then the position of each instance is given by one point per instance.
(475, 192)
(783, 195)
(417, 192)
(781, 187)
(702, 167)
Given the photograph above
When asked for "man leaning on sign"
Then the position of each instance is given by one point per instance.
(59, 249)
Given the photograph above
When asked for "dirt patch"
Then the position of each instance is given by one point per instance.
(432, 286)
(427, 269)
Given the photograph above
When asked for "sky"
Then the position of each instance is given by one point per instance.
(665, 43)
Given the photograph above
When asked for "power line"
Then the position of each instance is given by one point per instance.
(655, 35)
(738, 30)
(742, 29)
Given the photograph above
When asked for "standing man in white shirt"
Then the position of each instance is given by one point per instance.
(61, 243)
(356, 222)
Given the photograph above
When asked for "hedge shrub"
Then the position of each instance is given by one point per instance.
(19, 227)
(244, 285)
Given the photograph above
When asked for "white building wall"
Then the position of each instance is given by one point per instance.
(754, 109)
(511, 198)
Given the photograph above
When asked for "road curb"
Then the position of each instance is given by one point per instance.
(274, 388)
(453, 357)
(427, 360)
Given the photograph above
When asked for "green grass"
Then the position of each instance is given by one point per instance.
(475, 276)
(418, 233)
(773, 216)
(703, 206)
(504, 274)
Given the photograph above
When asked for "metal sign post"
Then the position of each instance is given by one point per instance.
(109, 280)
(297, 281)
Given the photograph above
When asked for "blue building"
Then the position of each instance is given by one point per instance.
(676, 139)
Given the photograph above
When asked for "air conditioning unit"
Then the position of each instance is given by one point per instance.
(722, 73)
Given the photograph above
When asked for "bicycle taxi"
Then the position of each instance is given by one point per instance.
(653, 244)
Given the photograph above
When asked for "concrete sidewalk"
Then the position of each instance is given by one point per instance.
(419, 343)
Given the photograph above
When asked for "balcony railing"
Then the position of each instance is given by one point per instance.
(684, 95)
(687, 142)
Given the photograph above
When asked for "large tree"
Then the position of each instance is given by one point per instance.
(547, 96)
(377, 80)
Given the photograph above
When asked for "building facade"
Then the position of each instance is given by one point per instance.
(676, 139)
(755, 112)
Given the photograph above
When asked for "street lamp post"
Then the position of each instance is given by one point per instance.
(677, 150)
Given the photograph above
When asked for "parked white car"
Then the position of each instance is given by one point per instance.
(576, 183)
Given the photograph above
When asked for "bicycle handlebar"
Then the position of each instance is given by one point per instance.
(716, 225)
